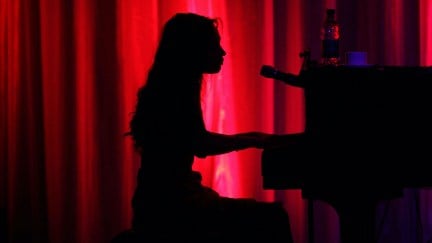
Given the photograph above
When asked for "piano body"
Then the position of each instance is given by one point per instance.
(367, 136)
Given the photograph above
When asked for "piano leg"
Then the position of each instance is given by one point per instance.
(355, 206)
(357, 221)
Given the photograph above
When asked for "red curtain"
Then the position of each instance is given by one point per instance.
(69, 72)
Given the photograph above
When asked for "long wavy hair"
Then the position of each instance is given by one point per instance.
(177, 66)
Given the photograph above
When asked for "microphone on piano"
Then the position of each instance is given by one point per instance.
(270, 72)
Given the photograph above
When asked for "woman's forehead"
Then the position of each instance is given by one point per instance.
(215, 35)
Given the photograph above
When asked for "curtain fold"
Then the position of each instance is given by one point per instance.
(69, 73)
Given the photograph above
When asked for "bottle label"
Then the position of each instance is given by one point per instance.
(330, 48)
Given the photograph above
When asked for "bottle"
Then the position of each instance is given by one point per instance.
(330, 39)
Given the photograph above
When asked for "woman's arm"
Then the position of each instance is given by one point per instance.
(211, 143)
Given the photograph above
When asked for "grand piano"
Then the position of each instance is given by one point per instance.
(367, 137)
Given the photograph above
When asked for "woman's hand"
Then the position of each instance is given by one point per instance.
(265, 140)
(276, 140)
(255, 139)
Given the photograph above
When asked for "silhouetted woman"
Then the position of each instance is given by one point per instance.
(169, 130)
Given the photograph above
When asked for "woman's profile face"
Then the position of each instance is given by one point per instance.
(214, 53)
